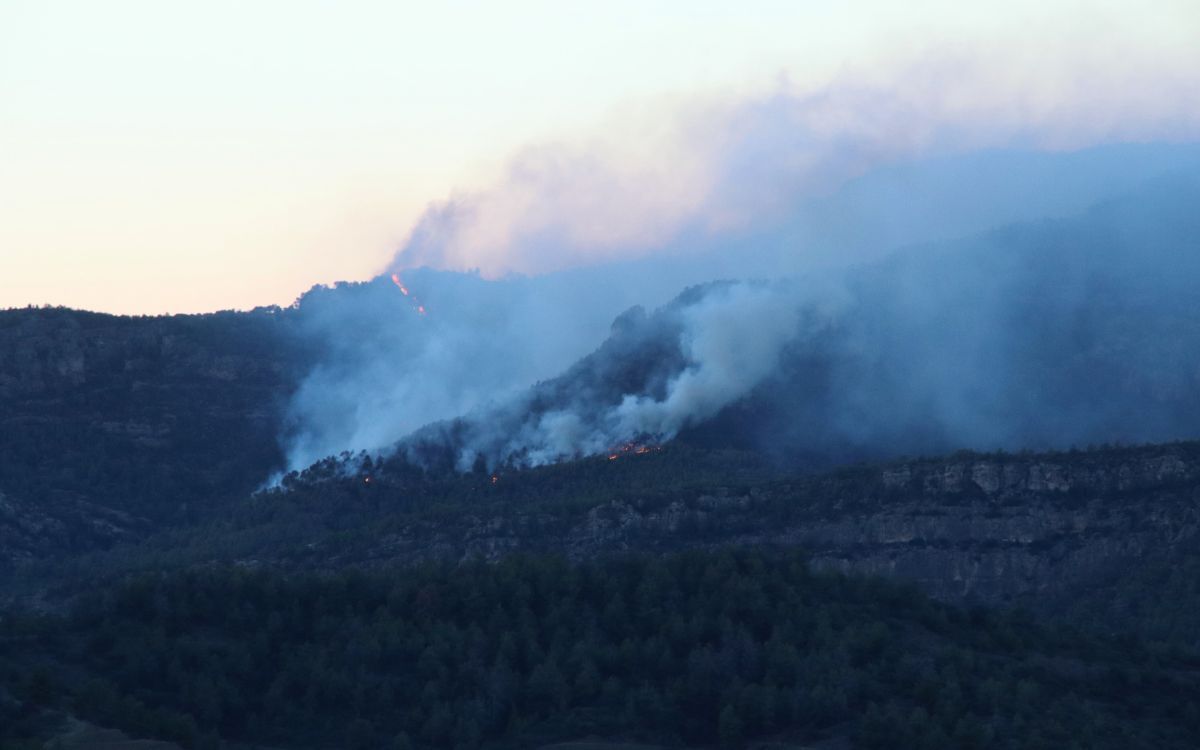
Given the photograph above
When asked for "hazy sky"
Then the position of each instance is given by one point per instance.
(162, 155)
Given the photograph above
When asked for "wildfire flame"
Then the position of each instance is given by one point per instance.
(404, 290)
(632, 449)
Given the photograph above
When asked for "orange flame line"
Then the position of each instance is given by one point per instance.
(404, 290)
(396, 280)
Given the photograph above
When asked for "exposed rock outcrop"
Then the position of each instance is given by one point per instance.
(994, 529)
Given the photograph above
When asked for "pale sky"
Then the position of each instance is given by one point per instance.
(160, 155)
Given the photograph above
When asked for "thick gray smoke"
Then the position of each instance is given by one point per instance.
(1041, 335)
(731, 340)
(794, 183)
(677, 184)
(384, 370)
(652, 378)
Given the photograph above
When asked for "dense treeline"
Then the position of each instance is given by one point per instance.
(353, 509)
(696, 649)
(160, 417)
(1159, 599)
(345, 507)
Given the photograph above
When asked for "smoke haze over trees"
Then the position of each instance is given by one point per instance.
(1048, 333)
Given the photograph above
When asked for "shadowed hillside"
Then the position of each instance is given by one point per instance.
(111, 426)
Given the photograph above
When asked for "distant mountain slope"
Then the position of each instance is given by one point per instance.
(1082, 531)
(388, 371)
(1043, 335)
(149, 417)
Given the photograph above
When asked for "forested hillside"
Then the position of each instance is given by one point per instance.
(154, 418)
(697, 650)
(773, 565)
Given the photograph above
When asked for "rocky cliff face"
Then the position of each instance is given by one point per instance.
(113, 428)
(49, 352)
(994, 529)
(1011, 529)
(104, 419)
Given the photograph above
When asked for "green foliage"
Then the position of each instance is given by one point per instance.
(697, 649)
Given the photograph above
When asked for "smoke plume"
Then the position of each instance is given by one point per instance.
(1041, 335)
(672, 183)
(797, 187)
(653, 377)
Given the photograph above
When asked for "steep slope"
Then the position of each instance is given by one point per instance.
(387, 373)
(1042, 336)
(1036, 336)
(1053, 532)
(125, 418)
(1030, 529)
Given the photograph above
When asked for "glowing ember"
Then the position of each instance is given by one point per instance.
(404, 290)
(632, 449)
